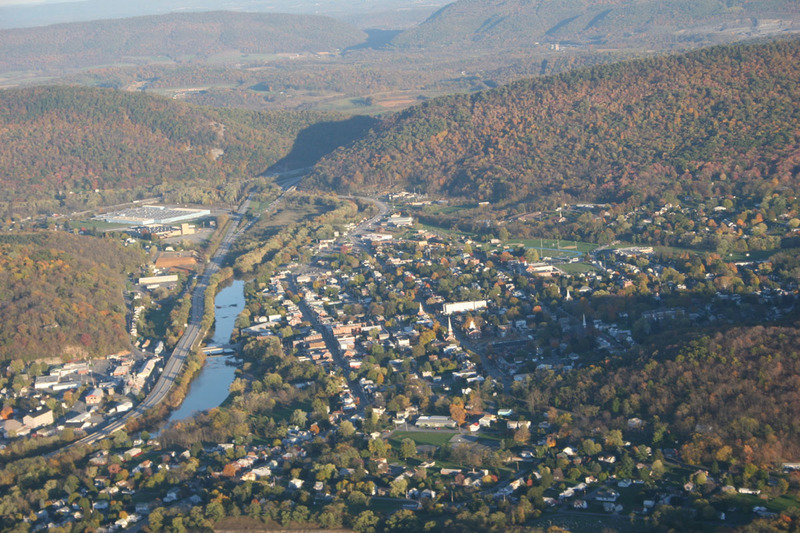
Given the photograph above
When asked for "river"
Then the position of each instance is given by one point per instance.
(210, 388)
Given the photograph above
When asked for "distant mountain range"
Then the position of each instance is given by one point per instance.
(183, 38)
(722, 120)
(524, 23)
(223, 37)
(301, 61)
(41, 13)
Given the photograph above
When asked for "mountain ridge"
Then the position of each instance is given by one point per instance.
(613, 133)
(76, 147)
(172, 37)
(527, 23)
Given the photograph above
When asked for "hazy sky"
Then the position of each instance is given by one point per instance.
(4, 3)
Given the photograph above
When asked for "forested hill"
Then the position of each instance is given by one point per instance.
(515, 23)
(177, 37)
(57, 142)
(723, 119)
(730, 395)
(61, 295)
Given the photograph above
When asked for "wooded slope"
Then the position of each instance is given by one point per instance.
(61, 295)
(723, 119)
(729, 395)
(54, 140)
(184, 37)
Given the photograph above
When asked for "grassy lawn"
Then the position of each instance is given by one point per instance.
(448, 209)
(578, 523)
(245, 523)
(446, 231)
(435, 438)
(145, 496)
(751, 256)
(261, 441)
(548, 245)
(285, 215)
(631, 496)
(293, 214)
(576, 268)
(285, 412)
(731, 257)
(776, 505)
(236, 56)
(783, 503)
(341, 103)
(503, 472)
(99, 225)
(491, 437)
(385, 506)
(257, 206)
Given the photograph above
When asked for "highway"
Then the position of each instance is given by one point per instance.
(368, 225)
(191, 336)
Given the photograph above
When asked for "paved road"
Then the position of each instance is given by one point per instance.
(193, 332)
(333, 346)
(368, 225)
(191, 336)
(330, 341)
(308, 314)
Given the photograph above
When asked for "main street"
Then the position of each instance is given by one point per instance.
(330, 342)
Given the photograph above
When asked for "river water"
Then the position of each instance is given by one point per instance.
(210, 388)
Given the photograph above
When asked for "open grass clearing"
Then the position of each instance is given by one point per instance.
(776, 505)
(434, 438)
(576, 268)
(98, 225)
(556, 245)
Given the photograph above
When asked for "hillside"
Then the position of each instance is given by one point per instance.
(60, 144)
(730, 394)
(181, 38)
(719, 120)
(61, 296)
(523, 23)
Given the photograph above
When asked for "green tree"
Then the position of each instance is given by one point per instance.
(408, 449)
(532, 255)
(366, 522)
(398, 488)
(156, 519)
(346, 429)
(299, 418)
(614, 439)
(377, 447)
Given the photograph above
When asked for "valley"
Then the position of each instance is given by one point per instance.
(504, 266)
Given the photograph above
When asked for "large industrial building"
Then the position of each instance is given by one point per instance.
(152, 214)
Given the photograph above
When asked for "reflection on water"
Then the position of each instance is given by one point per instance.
(210, 388)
